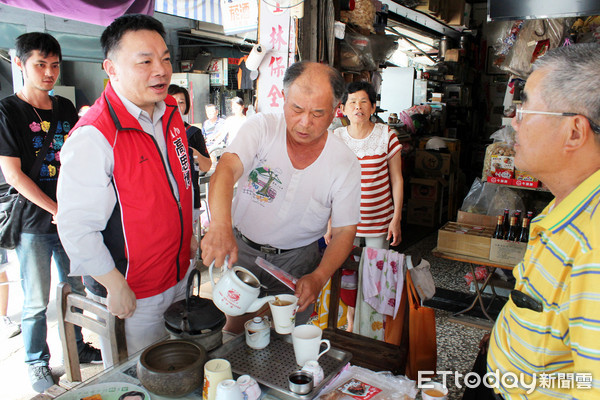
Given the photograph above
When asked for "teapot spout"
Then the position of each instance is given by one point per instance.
(258, 303)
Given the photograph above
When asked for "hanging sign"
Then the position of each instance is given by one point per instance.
(239, 15)
(274, 35)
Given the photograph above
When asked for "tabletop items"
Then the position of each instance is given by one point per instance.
(215, 371)
(236, 293)
(172, 368)
(283, 310)
(258, 332)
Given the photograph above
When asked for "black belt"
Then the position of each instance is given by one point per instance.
(263, 248)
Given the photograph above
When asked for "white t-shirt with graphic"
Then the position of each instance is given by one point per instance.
(279, 205)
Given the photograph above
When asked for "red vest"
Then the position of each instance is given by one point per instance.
(149, 232)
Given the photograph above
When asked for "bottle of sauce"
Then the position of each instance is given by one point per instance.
(512, 230)
(524, 237)
(499, 232)
(506, 221)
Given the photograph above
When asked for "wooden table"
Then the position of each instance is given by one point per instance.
(479, 287)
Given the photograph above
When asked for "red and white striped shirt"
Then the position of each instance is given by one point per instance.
(373, 153)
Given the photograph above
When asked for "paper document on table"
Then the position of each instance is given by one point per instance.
(283, 276)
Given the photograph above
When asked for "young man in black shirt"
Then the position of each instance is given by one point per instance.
(25, 119)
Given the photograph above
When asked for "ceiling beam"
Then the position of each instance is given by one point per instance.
(418, 19)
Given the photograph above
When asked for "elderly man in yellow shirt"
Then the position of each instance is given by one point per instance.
(548, 332)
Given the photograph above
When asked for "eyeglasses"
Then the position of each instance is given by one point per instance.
(520, 111)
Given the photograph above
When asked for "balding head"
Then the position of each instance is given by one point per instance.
(313, 76)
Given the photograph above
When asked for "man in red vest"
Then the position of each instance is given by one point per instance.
(125, 193)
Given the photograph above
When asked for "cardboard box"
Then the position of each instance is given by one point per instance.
(424, 213)
(452, 55)
(452, 144)
(433, 162)
(465, 239)
(429, 6)
(425, 189)
(488, 221)
(507, 252)
(436, 97)
(456, 12)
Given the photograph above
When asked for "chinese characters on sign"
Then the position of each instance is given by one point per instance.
(239, 15)
(274, 34)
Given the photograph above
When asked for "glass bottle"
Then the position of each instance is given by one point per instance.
(518, 231)
(499, 232)
(524, 237)
(506, 221)
(512, 230)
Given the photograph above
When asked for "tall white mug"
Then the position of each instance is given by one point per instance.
(306, 340)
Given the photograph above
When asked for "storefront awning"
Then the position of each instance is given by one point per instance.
(201, 10)
(100, 13)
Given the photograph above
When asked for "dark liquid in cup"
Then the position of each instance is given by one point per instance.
(300, 379)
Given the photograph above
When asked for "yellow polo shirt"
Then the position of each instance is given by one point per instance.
(559, 346)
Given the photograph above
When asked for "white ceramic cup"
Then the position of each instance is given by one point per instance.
(313, 367)
(249, 387)
(284, 317)
(215, 371)
(229, 390)
(437, 391)
(306, 340)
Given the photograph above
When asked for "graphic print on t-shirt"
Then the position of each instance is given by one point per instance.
(263, 184)
(51, 164)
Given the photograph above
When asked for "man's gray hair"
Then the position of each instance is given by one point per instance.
(338, 85)
(571, 83)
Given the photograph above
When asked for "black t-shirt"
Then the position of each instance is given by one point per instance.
(22, 136)
(197, 142)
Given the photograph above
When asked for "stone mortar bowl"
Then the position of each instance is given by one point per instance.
(172, 368)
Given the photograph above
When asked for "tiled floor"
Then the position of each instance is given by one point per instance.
(457, 343)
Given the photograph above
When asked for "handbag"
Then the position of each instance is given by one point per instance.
(422, 344)
(12, 202)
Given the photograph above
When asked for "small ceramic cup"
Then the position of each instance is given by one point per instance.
(249, 387)
(228, 390)
(437, 391)
(315, 369)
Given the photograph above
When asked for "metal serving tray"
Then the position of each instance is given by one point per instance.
(272, 365)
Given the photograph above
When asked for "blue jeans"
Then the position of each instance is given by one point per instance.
(35, 252)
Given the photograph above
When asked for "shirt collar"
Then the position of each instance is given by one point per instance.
(555, 217)
(159, 108)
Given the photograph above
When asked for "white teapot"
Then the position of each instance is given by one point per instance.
(237, 291)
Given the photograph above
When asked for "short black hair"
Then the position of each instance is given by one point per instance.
(132, 394)
(44, 43)
(174, 89)
(354, 87)
(238, 101)
(130, 22)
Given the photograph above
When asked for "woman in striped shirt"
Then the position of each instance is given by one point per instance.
(378, 152)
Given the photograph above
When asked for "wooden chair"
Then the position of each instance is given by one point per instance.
(97, 319)
(366, 352)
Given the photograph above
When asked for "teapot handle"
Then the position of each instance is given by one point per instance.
(210, 269)
(190, 286)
